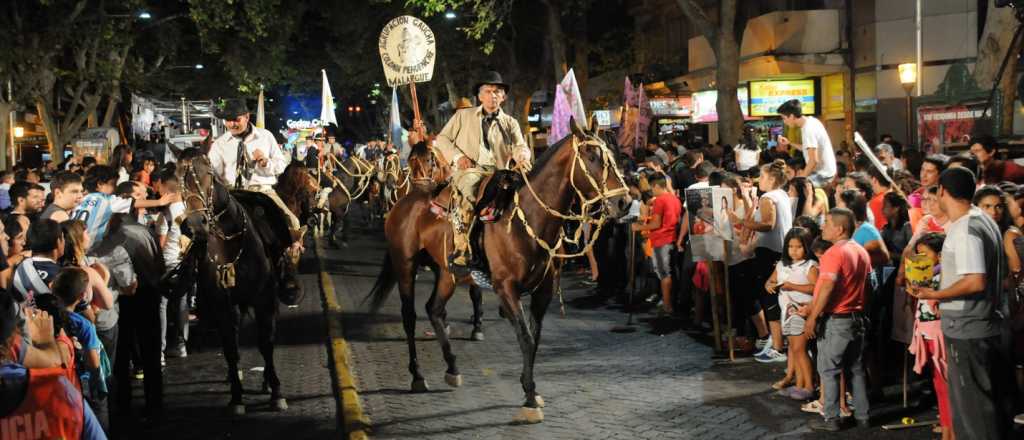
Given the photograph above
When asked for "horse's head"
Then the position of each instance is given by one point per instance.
(595, 172)
(298, 183)
(199, 192)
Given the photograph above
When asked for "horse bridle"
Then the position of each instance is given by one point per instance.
(207, 203)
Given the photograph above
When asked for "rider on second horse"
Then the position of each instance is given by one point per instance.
(248, 158)
(476, 141)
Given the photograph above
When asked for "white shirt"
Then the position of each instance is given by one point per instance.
(813, 135)
(224, 152)
(167, 225)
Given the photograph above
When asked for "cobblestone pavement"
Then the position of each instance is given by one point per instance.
(597, 384)
(196, 391)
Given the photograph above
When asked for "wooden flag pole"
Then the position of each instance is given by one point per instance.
(417, 122)
(728, 304)
(716, 329)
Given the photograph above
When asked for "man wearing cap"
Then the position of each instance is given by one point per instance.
(477, 141)
(248, 157)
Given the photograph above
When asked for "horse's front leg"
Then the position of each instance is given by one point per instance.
(443, 290)
(523, 324)
(478, 313)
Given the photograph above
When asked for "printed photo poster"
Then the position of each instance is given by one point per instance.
(707, 211)
(919, 271)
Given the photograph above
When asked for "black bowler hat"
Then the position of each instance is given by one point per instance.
(492, 78)
(230, 108)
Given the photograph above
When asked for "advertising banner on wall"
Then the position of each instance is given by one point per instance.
(677, 106)
(944, 125)
(833, 94)
(767, 96)
(704, 109)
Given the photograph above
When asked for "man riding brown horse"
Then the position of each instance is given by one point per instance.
(476, 142)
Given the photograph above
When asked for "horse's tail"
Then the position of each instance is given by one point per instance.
(386, 282)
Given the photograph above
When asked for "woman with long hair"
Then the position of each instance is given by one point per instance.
(121, 161)
(76, 242)
(771, 220)
(807, 200)
(897, 230)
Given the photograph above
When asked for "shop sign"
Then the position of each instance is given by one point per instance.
(674, 106)
(603, 117)
(302, 124)
(704, 109)
(944, 125)
(767, 96)
(832, 96)
(407, 51)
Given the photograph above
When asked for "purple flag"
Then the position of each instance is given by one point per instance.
(568, 104)
(636, 118)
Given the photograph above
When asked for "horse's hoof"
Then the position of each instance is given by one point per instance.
(279, 404)
(420, 386)
(448, 330)
(453, 380)
(540, 401)
(528, 416)
(477, 335)
(237, 409)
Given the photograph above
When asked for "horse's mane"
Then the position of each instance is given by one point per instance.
(545, 157)
(196, 155)
(293, 175)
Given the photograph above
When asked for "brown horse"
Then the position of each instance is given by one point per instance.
(350, 181)
(520, 250)
(298, 189)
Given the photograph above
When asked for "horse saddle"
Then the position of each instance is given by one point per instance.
(494, 193)
(266, 217)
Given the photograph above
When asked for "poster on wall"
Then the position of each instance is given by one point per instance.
(944, 125)
(710, 228)
(767, 96)
(704, 109)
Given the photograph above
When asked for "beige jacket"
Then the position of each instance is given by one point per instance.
(463, 136)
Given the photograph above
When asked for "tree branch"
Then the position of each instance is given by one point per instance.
(695, 13)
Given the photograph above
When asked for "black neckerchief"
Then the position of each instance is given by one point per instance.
(243, 170)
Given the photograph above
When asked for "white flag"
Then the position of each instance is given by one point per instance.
(327, 104)
(260, 114)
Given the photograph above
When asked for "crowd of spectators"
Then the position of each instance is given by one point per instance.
(816, 267)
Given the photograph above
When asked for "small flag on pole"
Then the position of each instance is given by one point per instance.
(260, 113)
(327, 116)
(568, 103)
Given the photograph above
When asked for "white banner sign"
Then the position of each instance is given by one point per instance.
(407, 51)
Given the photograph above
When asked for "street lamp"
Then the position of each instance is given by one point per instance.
(908, 78)
(19, 132)
(449, 14)
(196, 67)
(145, 15)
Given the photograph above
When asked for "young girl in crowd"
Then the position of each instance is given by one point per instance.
(793, 280)
(897, 230)
(927, 344)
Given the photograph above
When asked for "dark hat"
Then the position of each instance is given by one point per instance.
(10, 314)
(230, 108)
(491, 77)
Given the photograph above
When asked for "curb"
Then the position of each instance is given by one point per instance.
(354, 423)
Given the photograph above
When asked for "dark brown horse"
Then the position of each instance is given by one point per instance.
(239, 262)
(519, 247)
(350, 183)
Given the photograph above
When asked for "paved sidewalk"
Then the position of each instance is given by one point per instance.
(597, 384)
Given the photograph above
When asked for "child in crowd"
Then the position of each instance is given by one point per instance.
(928, 345)
(793, 280)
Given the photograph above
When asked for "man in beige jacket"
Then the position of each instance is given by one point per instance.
(473, 155)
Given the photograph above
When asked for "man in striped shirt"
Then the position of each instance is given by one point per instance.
(100, 204)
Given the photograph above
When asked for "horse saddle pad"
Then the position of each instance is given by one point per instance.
(266, 216)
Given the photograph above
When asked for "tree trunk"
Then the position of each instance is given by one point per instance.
(581, 53)
(108, 116)
(449, 84)
(727, 52)
(50, 126)
(557, 39)
(5, 127)
(995, 40)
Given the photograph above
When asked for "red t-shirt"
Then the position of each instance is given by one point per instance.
(668, 206)
(875, 204)
(847, 264)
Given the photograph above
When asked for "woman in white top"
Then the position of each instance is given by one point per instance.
(772, 219)
(793, 280)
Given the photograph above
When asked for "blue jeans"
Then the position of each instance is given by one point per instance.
(841, 348)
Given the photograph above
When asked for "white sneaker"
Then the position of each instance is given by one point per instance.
(770, 355)
(762, 344)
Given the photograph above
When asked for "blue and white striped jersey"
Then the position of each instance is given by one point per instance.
(96, 209)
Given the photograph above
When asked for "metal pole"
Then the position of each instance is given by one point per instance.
(910, 117)
(10, 135)
(917, 32)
